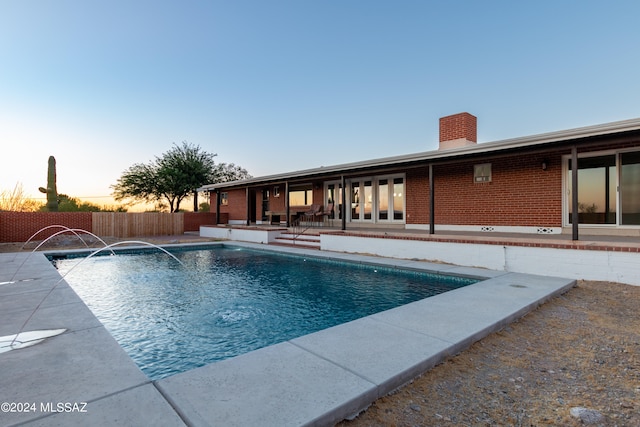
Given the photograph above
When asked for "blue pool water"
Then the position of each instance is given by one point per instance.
(228, 301)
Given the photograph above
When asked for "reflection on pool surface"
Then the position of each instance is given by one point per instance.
(228, 301)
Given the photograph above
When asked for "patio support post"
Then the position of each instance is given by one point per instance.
(574, 189)
(217, 206)
(607, 194)
(344, 203)
(432, 216)
(286, 203)
(248, 207)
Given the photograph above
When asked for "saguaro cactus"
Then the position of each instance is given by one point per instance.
(51, 191)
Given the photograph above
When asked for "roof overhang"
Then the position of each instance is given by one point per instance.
(515, 144)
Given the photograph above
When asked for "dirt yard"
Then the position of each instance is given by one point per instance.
(581, 349)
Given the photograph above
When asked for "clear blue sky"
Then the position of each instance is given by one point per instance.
(277, 86)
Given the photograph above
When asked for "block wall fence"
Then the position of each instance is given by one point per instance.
(20, 226)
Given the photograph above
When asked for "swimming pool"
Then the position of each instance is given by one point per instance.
(226, 301)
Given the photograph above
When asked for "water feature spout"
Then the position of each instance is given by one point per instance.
(54, 226)
(66, 229)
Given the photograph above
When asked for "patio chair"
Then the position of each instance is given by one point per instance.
(311, 213)
(326, 213)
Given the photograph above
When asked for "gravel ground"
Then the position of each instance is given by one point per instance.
(579, 350)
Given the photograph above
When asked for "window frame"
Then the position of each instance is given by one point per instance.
(479, 173)
(566, 196)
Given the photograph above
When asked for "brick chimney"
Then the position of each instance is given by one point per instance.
(458, 130)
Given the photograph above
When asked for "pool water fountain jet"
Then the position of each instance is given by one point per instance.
(66, 229)
(14, 338)
(57, 226)
(74, 230)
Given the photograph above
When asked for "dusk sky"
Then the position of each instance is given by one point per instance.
(277, 86)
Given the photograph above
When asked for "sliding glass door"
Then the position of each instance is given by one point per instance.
(608, 189)
(596, 190)
(630, 188)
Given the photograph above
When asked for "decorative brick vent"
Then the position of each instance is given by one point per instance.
(545, 230)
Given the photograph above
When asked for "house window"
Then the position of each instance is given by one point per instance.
(276, 191)
(482, 172)
(395, 199)
(398, 198)
(377, 199)
(224, 199)
(300, 197)
(383, 199)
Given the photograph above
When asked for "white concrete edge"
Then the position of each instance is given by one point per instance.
(579, 264)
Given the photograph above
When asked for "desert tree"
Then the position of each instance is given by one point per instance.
(172, 176)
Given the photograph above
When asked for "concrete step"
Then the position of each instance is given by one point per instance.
(308, 237)
(306, 240)
(296, 245)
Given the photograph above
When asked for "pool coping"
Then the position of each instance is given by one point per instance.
(317, 379)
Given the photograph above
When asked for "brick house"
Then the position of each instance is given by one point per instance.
(521, 185)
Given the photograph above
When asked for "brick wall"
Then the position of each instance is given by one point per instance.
(236, 208)
(318, 193)
(19, 226)
(193, 220)
(417, 200)
(520, 193)
(275, 203)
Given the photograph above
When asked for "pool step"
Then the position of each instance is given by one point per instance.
(311, 240)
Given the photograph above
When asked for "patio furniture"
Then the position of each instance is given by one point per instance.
(279, 214)
(311, 213)
(326, 214)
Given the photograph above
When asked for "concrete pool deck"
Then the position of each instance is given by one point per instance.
(83, 377)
